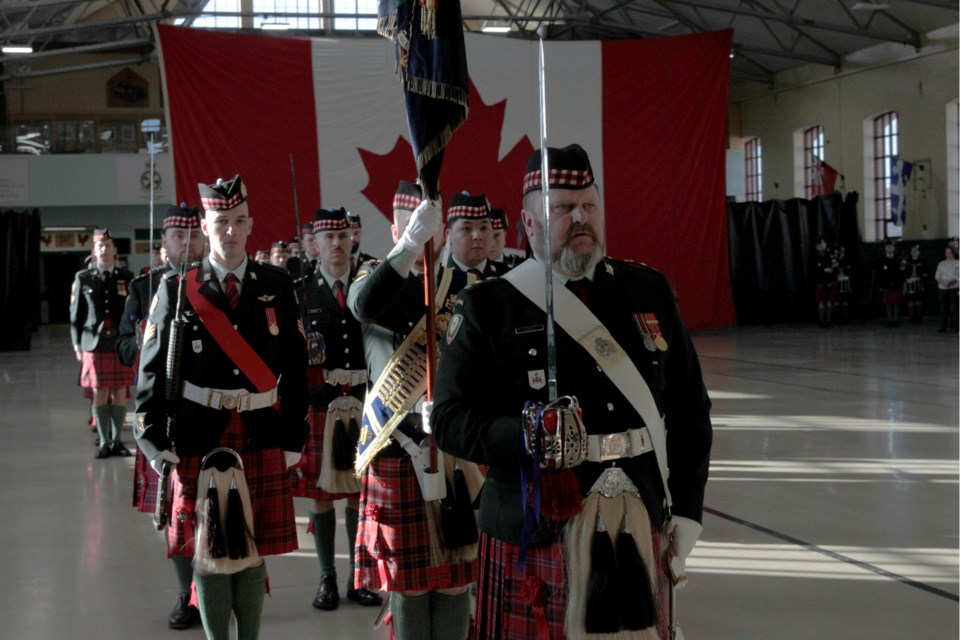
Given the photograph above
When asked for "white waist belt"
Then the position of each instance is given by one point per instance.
(353, 377)
(230, 399)
(614, 446)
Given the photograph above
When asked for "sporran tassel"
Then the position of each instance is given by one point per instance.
(214, 526)
(602, 601)
(343, 448)
(632, 584)
(236, 523)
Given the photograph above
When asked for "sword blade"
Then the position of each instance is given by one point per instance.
(547, 248)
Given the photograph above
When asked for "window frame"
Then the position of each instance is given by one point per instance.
(753, 170)
(886, 145)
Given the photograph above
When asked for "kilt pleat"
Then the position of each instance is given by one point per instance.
(504, 604)
(103, 369)
(393, 541)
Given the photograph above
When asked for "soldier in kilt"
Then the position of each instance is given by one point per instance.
(242, 386)
(396, 548)
(825, 280)
(181, 242)
(576, 546)
(890, 271)
(96, 307)
(337, 376)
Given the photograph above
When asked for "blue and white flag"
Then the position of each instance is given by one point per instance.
(900, 173)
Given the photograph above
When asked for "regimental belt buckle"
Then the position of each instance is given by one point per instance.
(614, 446)
(229, 402)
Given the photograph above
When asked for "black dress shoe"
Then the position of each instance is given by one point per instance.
(183, 615)
(118, 449)
(365, 597)
(102, 452)
(328, 596)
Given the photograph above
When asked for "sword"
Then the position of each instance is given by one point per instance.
(547, 249)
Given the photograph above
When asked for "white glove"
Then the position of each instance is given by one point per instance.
(291, 457)
(424, 223)
(684, 534)
(164, 456)
(425, 413)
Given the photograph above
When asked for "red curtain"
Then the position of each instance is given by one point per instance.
(664, 149)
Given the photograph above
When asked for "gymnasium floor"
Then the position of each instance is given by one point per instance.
(832, 510)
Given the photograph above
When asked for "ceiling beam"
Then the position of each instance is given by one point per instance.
(80, 67)
(802, 22)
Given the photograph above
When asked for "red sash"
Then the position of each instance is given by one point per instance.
(230, 340)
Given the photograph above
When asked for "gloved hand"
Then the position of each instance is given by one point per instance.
(424, 223)
(683, 533)
(425, 413)
(291, 458)
(164, 456)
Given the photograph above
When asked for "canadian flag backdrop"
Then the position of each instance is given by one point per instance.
(650, 113)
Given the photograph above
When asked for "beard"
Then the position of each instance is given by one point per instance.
(578, 263)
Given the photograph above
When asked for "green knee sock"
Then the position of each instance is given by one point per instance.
(215, 597)
(249, 589)
(183, 568)
(351, 518)
(102, 412)
(324, 532)
(449, 616)
(118, 414)
(411, 616)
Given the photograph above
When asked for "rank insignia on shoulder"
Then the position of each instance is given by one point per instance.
(265, 298)
(150, 332)
(454, 327)
(253, 275)
(609, 268)
(141, 423)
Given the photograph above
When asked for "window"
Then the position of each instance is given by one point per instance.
(219, 22)
(351, 8)
(885, 147)
(753, 155)
(267, 13)
(812, 157)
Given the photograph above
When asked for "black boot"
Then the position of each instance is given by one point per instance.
(328, 595)
(184, 615)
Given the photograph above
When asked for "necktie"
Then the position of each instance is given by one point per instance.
(581, 289)
(231, 291)
(341, 296)
(476, 272)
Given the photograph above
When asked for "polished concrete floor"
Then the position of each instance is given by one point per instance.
(832, 510)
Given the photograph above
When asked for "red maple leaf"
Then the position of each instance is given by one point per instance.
(470, 163)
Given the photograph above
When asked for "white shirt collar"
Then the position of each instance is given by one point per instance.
(563, 278)
(480, 267)
(329, 279)
(221, 271)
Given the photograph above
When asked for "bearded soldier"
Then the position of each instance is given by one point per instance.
(574, 535)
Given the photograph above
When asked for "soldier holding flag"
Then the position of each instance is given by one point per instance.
(552, 567)
(400, 543)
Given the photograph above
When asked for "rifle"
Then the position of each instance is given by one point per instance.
(171, 393)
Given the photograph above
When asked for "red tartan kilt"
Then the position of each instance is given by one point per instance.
(270, 495)
(393, 541)
(503, 610)
(103, 369)
(826, 292)
(146, 483)
(894, 296)
(304, 476)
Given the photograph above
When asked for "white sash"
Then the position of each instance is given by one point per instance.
(580, 324)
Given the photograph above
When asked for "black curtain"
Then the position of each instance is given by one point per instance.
(20, 283)
(772, 247)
